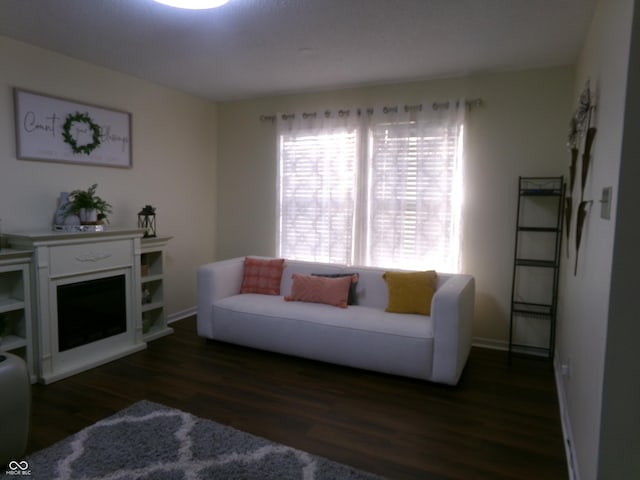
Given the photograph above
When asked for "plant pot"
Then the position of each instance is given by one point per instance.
(88, 216)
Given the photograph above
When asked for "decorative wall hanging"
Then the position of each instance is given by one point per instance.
(75, 121)
(585, 105)
(568, 209)
(580, 128)
(582, 216)
(59, 130)
(573, 168)
(586, 158)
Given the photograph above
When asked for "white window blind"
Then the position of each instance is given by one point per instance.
(412, 219)
(383, 190)
(317, 195)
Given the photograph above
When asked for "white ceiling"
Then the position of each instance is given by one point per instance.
(253, 48)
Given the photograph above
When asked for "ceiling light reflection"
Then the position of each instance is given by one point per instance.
(193, 4)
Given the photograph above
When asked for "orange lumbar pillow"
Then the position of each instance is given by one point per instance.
(410, 292)
(315, 289)
(353, 299)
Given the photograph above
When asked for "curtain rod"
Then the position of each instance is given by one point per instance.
(477, 102)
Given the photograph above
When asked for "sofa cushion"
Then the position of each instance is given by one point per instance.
(353, 318)
(410, 292)
(262, 276)
(361, 337)
(320, 289)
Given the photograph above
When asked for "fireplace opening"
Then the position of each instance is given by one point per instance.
(91, 310)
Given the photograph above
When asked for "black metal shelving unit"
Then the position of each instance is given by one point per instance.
(536, 266)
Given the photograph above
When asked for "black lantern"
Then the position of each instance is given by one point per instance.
(147, 221)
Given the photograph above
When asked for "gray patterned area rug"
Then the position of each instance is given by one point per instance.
(154, 442)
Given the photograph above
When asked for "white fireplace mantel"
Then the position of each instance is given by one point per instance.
(61, 258)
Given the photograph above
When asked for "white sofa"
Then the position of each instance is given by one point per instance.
(433, 348)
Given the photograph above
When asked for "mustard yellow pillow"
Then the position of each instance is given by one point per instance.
(410, 292)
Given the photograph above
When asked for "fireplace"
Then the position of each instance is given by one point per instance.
(87, 297)
(90, 311)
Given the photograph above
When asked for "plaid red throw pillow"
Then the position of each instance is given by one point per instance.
(262, 275)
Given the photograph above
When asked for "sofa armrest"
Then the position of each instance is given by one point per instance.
(215, 281)
(452, 311)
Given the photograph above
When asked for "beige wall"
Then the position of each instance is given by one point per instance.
(596, 320)
(520, 130)
(174, 158)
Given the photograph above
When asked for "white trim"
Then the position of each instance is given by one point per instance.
(566, 422)
(189, 312)
(490, 343)
(562, 402)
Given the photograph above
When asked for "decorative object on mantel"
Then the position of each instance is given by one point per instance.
(61, 216)
(90, 208)
(147, 221)
(67, 221)
(78, 228)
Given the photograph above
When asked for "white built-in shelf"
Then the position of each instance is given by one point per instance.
(12, 342)
(10, 304)
(15, 306)
(154, 316)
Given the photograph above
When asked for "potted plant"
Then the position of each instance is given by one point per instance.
(90, 208)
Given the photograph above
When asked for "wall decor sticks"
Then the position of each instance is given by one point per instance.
(579, 129)
(582, 216)
(586, 158)
(568, 208)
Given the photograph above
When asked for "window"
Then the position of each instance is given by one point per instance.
(413, 202)
(384, 190)
(317, 195)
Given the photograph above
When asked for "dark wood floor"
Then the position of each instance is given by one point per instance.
(498, 423)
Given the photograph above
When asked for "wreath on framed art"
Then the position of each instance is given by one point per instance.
(78, 117)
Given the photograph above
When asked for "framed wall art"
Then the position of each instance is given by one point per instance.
(55, 129)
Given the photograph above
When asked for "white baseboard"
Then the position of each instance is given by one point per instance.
(174, 317)
(565, 421)
(562, 402)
